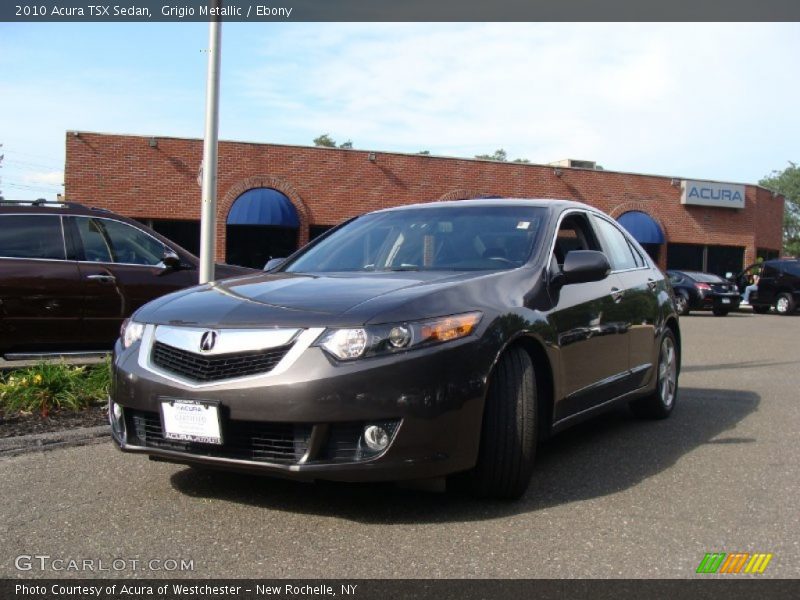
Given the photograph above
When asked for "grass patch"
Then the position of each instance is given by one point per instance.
(47, 387)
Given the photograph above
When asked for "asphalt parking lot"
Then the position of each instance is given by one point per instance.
(615, 497)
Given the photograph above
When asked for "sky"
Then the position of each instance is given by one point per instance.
(698, 101)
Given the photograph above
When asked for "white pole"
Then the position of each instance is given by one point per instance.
(208, 217)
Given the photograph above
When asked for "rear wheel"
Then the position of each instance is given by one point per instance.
(761, 309)
(784, 305)
(660, 403)
(508, 437)
(720, 312)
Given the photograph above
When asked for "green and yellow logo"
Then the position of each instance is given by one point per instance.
(735, 562)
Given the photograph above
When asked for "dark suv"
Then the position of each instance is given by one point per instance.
(778, 285)
(70, 274)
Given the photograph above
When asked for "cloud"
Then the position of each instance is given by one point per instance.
(634, 97)
(48, 178)
(705, 100)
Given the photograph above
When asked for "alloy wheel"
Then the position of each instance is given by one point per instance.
(667, 372)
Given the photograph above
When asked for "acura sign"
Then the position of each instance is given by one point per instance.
(707, 193)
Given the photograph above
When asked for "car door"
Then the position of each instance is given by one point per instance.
(122, 269)
(40, 290)
(638, 306)
(768, 284)
(591, 337)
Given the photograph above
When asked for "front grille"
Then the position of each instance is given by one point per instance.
(274, 443)
(277, 443)
(199, 367)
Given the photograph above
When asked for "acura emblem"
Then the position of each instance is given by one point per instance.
(207, 341)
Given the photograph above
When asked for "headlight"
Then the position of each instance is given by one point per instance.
(349, 344)
(130, 332)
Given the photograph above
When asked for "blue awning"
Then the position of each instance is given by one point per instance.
(642, 227)
(263, 206)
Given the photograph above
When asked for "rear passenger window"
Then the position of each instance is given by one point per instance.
(31, 236)
(620, 253)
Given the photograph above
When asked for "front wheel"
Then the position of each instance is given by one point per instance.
(784, 304)
(508, 436)
(660, 403)
(681, 304)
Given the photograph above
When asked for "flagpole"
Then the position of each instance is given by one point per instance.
(208, 215)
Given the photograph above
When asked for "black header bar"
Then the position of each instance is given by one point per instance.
(400, 10)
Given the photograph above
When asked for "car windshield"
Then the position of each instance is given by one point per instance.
(792, 268)
(448, 238)
(705, 277)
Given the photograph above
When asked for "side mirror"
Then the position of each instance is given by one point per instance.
(170, 259)
(582, 266)
(274, 263)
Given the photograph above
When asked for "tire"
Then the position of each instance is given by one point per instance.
(784, 304)
(682, 304)
(761, 309)
(721, 312)
(661, 402)
(508, 435)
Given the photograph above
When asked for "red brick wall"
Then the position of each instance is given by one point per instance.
(124, 174)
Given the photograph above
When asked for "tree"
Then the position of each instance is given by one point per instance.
(424, 152)
(499, 155)
(787, 183)
(325, 141)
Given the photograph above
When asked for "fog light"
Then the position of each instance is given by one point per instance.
(376, 438)
(400, 337)
(116, 417)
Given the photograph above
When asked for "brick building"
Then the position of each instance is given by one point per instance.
(273, 198)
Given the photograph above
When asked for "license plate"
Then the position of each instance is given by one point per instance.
(191, 421)
(726, 300)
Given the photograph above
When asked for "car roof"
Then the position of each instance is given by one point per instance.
(56, 208)
(554, 204)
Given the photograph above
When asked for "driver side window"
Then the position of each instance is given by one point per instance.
(574, 233)
(105, 240)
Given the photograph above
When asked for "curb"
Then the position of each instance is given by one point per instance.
(14, 446)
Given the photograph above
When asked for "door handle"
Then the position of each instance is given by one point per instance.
(102, 278)
(651, 283)
(617, 294)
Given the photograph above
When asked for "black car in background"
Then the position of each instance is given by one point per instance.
(703, 291)
(70, 274)
(778, 285)
(411, 343)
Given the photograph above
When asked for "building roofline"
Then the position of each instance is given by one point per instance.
(70, 132)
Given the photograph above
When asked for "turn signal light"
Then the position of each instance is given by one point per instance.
(450, 328)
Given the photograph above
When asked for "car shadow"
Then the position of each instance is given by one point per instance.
(605, 455)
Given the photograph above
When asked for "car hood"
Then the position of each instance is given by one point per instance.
(301, 300)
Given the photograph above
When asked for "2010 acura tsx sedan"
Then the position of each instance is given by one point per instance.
(410, 343)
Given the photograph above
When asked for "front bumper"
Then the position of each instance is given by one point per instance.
(307, 421)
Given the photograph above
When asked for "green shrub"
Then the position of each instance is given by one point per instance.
(53, 386)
